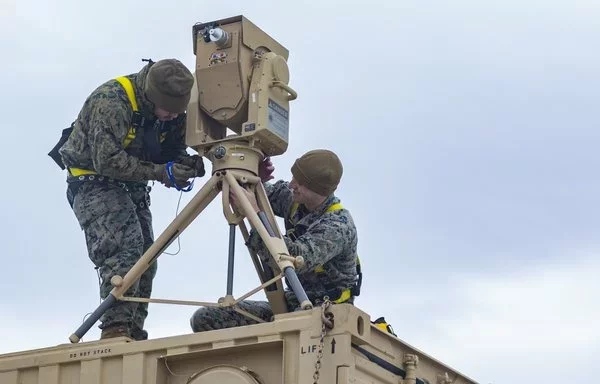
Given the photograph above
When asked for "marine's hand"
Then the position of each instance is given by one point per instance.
(181, 174)
(249, 195)
(265, 169)
(195, 162)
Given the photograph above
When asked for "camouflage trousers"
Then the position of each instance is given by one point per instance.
(211, 318)
(118, 230)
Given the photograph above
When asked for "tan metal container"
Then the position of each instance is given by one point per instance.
(287, 350)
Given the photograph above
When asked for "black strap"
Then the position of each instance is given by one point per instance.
(152, 141)
(126, 185)
(383, 363)
(138, 120)
(356, 287)
(54, 154)
(98, 179)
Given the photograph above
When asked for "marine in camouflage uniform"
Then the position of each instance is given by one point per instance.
(318, 229)
(109, 173)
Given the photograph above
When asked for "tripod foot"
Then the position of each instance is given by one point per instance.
(74, 339)
(306, 304)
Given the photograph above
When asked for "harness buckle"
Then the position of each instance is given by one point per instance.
(138, 120)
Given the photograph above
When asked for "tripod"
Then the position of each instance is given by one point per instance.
(235, 164)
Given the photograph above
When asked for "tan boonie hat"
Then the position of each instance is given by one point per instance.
(169, 84)
(319, 170)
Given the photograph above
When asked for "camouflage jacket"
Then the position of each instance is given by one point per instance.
(96, 142)
(323, 239)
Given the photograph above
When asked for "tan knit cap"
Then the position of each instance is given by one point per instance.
(319, 170)
(169, 84)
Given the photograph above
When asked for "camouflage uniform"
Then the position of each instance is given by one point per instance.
(112, 206)
(96, 142)
(326, 239)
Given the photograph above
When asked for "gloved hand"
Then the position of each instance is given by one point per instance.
(265, 169)
(181, 174)
(195, 162)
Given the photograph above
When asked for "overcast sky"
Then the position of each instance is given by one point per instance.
(468, 132)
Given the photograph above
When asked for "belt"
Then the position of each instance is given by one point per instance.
(129, 187)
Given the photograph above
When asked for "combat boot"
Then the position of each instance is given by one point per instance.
(139, 334)
(114, 331)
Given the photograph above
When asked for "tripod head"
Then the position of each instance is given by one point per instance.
(239, 109)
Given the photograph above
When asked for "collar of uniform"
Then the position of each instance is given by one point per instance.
(329, 201)
(146, 106)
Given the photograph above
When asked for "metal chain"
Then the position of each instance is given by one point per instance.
(326, 323)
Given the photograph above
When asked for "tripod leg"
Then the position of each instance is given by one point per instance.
(289, 272)
(202, 199)
(292, 278)
(275, 245)
(263, 201)
(253, 256)
(274, 292)
(230, 259)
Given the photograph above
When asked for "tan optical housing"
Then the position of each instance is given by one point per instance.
(241, 90)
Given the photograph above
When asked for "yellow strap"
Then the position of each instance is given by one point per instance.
(293, 210)
(320, 269)
(382, 326)
(128, 86)
(346, 294)
(79, 172)
(331, 208)
(129, 138)
(126, 83)
(335, 207)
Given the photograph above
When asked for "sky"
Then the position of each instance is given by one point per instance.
(466, 130)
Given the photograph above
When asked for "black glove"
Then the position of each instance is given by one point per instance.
(195, 162)
(181, 174)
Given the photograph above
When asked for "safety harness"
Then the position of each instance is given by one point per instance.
(137, 121)
(342, 295)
